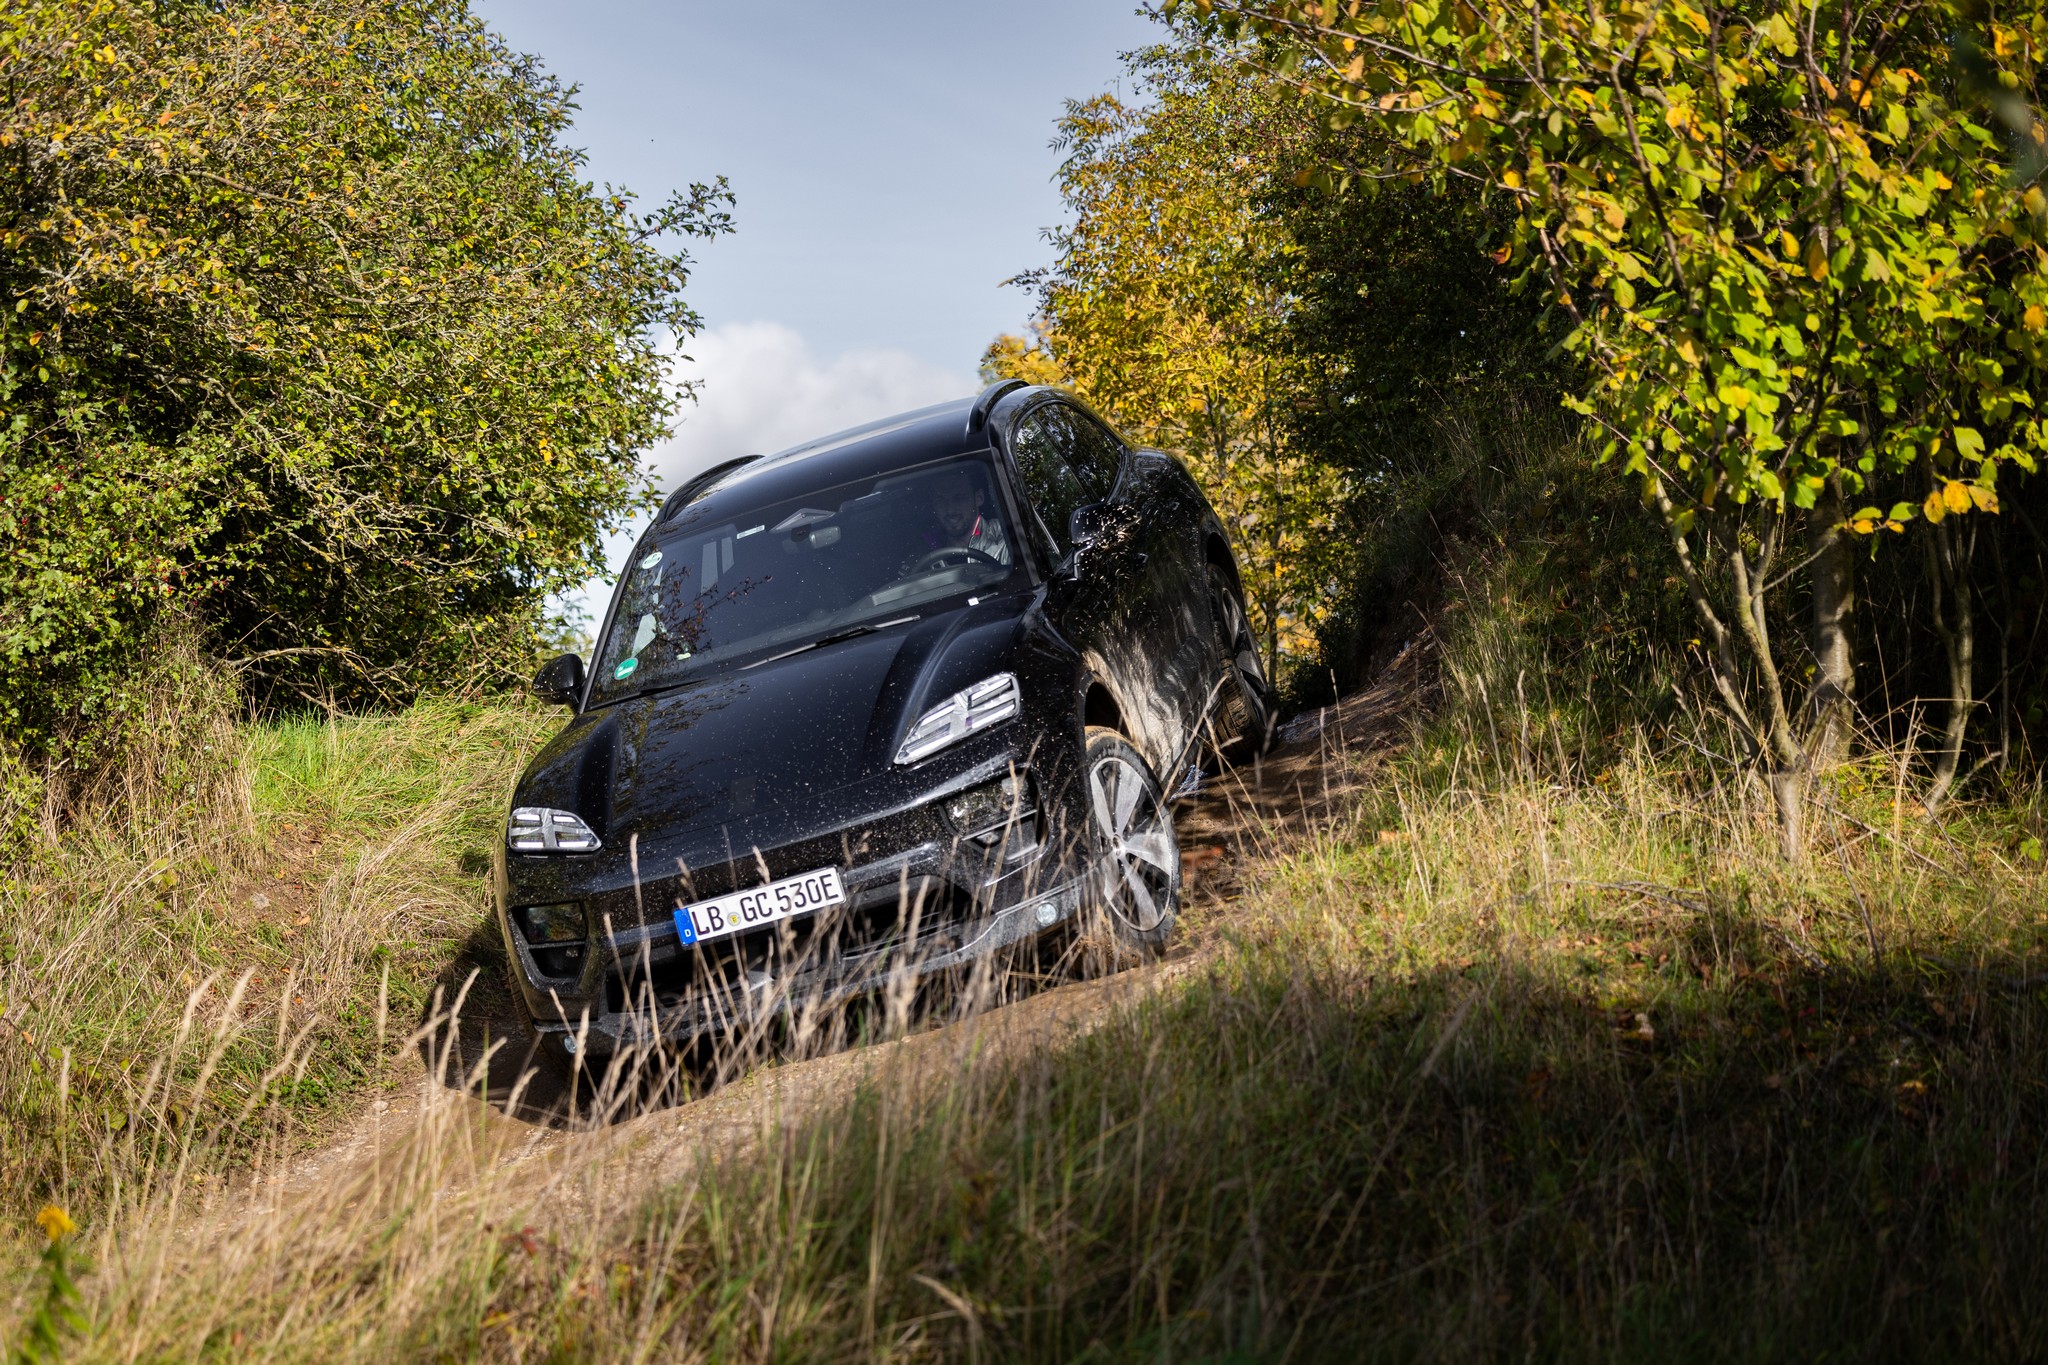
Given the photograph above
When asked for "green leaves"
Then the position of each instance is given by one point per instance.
(1862, 254)
(1799, 251)
(332, 343)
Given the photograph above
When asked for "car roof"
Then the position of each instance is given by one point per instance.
(918, 435)
(872, 449)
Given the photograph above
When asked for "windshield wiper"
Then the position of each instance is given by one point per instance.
(833, 638)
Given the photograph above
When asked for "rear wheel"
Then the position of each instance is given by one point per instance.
(1137, 855)
(1245, 708)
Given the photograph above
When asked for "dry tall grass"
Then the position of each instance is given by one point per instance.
(1496, 1064)
(194, 967)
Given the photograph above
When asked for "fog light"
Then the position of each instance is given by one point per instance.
(556, 934)
(1047, 913)
(995, 804)
(546, 924)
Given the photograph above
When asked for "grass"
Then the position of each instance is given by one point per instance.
(1495, 1066)
(260, 916)
(1475, 1090)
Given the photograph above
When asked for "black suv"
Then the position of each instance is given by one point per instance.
(882, 703)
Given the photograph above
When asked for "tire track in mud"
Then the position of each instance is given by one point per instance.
(1239, 821)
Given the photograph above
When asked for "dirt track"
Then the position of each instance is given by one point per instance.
(1238, 821)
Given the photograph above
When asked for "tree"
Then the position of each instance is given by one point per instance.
(1396, 310)
(1163, 307)
(1030, 359)
(1409, 343)
(1801, 252)
(315, 334)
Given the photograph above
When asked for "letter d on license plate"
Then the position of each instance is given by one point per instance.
(744, 910)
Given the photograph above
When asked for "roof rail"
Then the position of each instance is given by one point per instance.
(977, 416)
(687, 494)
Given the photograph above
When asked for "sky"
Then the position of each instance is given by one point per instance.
(892, 164)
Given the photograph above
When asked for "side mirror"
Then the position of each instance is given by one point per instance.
(560, 680)
(1088, 522)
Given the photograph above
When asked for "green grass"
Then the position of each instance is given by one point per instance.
(1575, 1077)
(304, 870)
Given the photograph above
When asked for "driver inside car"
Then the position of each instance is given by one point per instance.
(961, 519)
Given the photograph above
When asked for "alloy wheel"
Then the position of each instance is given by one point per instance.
(1142, 856)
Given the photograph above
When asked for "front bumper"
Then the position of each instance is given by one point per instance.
(649, 1014)
(931, 901)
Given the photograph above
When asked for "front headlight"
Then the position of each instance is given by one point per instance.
(537, 829)
(989, 702)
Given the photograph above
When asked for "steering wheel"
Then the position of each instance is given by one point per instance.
(932, 559)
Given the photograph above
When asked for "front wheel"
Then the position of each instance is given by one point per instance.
(1137, 855)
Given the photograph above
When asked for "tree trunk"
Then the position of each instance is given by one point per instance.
(1274, 536)
(1950, 546)
(2006, 618)
(1788, 789)
(1833, 696)
(1740, 642)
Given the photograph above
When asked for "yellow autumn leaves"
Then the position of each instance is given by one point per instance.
(1953, 498)
(1956, 496)
(1164, 308)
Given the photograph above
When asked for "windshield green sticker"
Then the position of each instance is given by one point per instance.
(625, 669)
(649, 561)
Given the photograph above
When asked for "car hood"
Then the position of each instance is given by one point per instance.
(732, 747)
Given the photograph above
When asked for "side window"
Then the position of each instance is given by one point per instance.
(1099, 455)
(1045, 446)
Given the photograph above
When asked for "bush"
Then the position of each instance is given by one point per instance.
(317, 337)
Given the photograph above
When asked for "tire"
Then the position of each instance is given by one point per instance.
(1136, 853)
(1246, 709)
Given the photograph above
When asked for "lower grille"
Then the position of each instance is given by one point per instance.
(926, 917)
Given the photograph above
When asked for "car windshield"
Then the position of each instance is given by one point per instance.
(782, 575)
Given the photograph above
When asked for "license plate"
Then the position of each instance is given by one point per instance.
(744, 910)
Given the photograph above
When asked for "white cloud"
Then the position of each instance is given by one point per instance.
(762, 389)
